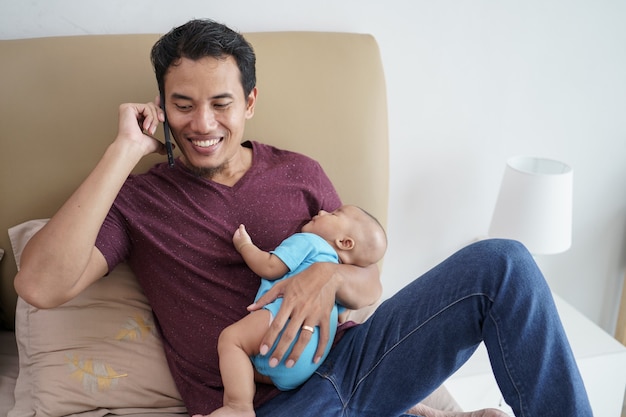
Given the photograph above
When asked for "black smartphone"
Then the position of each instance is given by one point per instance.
(166, 132)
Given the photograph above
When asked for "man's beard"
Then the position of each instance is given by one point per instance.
(203, 172)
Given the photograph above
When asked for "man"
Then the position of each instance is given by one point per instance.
(174, 225)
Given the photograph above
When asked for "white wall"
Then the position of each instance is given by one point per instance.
(470, 83)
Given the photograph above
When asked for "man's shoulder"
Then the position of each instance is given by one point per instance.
(158, 170)
(272, 151)
(158, 179)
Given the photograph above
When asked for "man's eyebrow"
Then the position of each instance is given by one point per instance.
(179, 96)
(223, 95)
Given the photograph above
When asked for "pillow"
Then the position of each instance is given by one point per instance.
(96, 354)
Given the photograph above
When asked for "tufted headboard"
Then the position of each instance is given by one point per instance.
(322, 94)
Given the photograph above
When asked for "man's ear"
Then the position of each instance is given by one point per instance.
(345, 243)
(251, 102)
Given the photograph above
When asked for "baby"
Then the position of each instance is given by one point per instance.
(348, 235)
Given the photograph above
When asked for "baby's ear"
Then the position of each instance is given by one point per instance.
(345, 243)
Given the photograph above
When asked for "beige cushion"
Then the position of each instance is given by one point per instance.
(98, 353)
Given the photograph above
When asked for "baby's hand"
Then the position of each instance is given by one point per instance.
(241, 238)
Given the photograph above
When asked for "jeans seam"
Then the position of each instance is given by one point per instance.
(505, 361)
(328, 377)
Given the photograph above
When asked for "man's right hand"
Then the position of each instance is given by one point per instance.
(138, 123)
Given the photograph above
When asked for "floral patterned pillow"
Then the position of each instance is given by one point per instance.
(96, 354)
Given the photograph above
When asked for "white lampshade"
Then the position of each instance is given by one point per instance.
(535, 205)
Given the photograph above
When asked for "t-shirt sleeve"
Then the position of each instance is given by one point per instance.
(294, 250)
(113, 241)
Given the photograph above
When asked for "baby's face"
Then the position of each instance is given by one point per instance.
(334, 224)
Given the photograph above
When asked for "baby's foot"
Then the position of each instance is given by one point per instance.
(229, 412)
(422, 410)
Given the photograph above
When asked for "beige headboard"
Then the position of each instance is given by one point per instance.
(322, 94)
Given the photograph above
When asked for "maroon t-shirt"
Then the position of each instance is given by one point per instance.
(175, 231)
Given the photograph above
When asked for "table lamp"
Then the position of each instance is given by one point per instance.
(535, 205)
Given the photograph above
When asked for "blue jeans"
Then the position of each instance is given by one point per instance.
(490, 291)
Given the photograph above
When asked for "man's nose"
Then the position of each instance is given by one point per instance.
(204, 120)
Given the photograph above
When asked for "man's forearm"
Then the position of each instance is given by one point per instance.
(358, 287)
(56, 258)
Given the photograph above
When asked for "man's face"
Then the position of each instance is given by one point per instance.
(207, 111)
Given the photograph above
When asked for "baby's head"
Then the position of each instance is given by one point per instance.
(356, 235)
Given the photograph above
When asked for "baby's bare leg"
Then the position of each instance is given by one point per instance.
(236, 344)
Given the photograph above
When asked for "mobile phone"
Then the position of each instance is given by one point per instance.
(166, 132)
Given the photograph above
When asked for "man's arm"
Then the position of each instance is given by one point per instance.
(308, 298)
(264, 264)
(61, 259)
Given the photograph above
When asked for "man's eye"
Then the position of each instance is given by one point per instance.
(221, 105)
(183, 107)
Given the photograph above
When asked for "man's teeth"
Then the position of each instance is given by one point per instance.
(206, 143)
